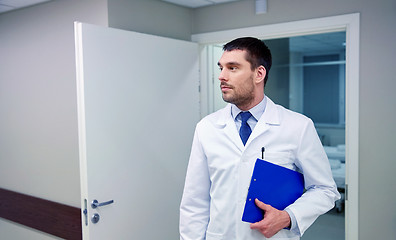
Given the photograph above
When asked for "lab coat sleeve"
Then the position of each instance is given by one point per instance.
(321, 190)
(194, 207)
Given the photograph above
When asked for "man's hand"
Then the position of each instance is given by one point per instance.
(274, 220)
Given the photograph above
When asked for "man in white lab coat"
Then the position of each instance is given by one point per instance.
(223, 156)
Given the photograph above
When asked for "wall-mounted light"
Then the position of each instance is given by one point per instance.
(261, 6)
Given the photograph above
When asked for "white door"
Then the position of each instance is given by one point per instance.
(138, 103)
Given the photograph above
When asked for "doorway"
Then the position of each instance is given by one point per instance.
(308, 76)
(347, 107)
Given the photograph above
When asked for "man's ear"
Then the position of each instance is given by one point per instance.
(260, 74)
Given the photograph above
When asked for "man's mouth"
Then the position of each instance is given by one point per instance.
(225, 87)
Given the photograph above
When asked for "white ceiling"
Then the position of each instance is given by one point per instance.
(197, 3)
(9, 5)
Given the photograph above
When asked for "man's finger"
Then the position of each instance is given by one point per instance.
(262, 205)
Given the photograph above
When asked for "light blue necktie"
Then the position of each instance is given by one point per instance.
(245, 130)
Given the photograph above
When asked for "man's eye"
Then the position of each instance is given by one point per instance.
(233, 68)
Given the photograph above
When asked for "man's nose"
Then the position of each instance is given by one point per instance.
(222, 76)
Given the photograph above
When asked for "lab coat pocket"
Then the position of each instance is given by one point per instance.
(213, 236)
(285, 234)
(283, 159)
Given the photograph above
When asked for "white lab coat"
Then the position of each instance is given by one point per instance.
(220, 168)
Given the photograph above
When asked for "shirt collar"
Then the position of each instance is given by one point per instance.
(256, 111)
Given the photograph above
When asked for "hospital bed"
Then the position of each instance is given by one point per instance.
(336, 155)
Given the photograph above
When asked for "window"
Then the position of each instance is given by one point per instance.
(323, 95)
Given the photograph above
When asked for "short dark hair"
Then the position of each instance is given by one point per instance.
(257, 52)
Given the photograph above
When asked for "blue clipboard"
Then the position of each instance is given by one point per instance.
(274, 185)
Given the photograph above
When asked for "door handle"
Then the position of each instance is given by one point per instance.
(96, 204)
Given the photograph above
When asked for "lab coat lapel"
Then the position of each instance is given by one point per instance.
(228, 124)
(269, 118)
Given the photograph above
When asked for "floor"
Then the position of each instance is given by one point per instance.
(330, 226)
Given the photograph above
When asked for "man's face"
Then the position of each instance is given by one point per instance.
(236, 78)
